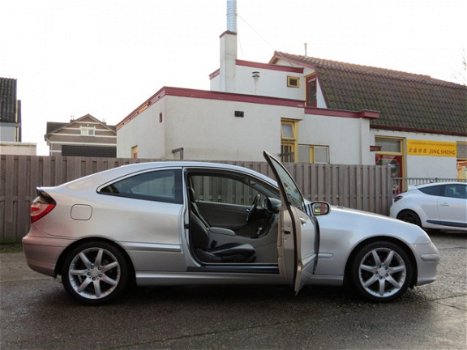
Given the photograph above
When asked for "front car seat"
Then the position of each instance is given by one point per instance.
(207, 251)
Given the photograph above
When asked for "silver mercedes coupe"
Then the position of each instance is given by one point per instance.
(174, 223)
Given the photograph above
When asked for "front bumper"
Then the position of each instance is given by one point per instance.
(427, 256)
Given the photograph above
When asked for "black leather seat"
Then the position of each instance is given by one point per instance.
(207, 250)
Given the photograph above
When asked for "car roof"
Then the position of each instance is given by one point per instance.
(441, 183)
(109, 175)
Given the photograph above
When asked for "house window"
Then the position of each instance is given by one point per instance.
(311, 91)
(134, 152)
(293, 82)
(88, 130)
(391, 153)
(317, 154)
(288, 140)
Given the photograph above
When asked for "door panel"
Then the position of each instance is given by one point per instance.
(298, 235)
(305, 247)
(452, 206)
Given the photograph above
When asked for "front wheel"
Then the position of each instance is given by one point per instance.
(95, 272)
(381, 271)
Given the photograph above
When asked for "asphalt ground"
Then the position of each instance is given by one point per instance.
(36, 313)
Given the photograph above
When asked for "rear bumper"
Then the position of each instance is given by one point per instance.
(42, 253)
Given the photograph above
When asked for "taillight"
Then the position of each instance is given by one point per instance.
(397, 198)
(41, 206)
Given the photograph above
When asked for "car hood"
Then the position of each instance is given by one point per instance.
(356, 223)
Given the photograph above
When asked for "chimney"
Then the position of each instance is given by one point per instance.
(228, 49)
(232, 16)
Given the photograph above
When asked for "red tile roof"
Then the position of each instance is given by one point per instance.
(406, 101)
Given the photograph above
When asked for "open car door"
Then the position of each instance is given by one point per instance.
(297, 238)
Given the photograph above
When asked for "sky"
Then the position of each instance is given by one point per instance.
(106, 57)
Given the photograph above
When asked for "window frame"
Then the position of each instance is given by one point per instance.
(264, 188)
(291, 79)
(178, 189)
(311, 79)
(87, 130)
(312, 153)
(289, 141)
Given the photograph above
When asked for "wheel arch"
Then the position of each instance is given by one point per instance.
(61, 259)
(393, 240)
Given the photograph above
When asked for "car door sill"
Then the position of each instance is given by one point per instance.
(237, 268)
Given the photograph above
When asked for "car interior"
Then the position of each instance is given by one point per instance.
(232, 220)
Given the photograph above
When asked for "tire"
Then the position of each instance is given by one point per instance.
(381, 271)
(95, 273)
(410, 217)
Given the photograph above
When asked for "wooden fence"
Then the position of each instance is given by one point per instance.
(355, 186)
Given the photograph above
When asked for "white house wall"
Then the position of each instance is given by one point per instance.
(208, 130)
(270, 82)
(146, 132)
(347, 138)
(425, 166)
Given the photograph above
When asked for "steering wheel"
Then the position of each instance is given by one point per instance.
(253, 207)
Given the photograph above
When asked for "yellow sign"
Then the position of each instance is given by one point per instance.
(431, 148)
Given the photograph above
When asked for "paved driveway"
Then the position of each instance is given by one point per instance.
(37, 314)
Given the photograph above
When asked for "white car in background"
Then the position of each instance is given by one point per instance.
(439, 206)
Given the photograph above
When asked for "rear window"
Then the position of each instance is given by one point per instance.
(161, 186)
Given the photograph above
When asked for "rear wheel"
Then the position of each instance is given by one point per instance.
(381, 271)
(95, 272)
(410, 217)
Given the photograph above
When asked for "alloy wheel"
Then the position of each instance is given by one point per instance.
(382, 272)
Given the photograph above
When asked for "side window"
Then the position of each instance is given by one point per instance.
(161, 186)
(455, 191)
(433, 190)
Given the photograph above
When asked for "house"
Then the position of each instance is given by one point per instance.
(10, 121)
(10, 111)
(422, 126)
(85, 136)
(305, 109)
(236, 120)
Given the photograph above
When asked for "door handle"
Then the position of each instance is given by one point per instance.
(444, 204)
(303, 221)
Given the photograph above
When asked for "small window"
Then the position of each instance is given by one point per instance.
(88, 130)
(288, 140)
(134, 152)
(293, 82)
(288, 130)
(389, 144)
(313, 154)
(311, 91)
(160, 186)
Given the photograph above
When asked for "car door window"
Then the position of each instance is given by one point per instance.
(455, 191)
(161, 186)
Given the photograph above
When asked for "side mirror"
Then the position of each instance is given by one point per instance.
(320, 208)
